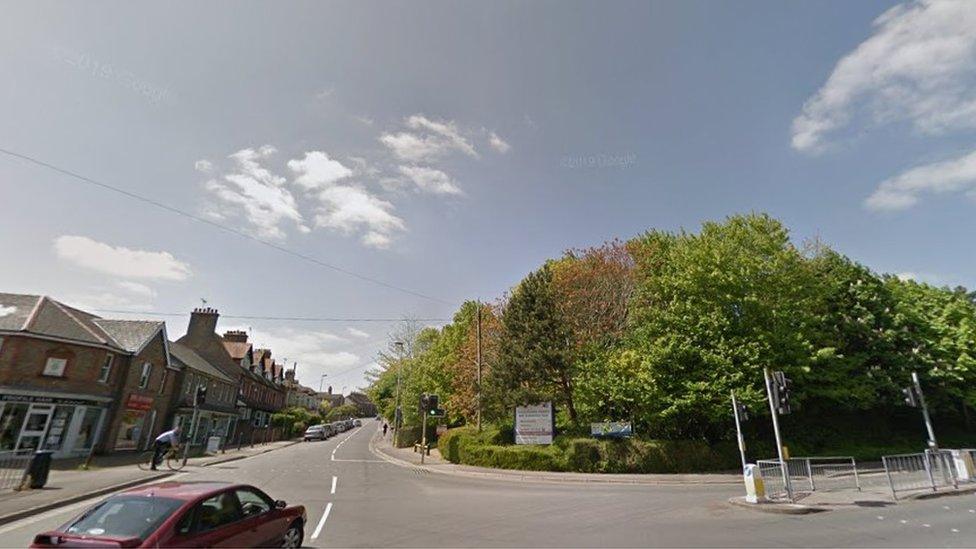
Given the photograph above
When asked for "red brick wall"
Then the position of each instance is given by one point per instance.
(155, 354)
(22, 362)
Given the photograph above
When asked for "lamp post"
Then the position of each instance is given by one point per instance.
(397, 414)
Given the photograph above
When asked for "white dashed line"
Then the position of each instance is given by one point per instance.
(926, 526)
(955, 530)
(325, 516)
(903, 521)
(334, 480)
(880, 517)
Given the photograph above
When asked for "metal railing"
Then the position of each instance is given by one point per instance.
(808, 474)
(929, 470)
(13, 468)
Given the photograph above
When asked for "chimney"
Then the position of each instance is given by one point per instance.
(290, 375)
(203, 322)
(330, 389)
(236, 336)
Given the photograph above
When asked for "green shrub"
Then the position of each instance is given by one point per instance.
(584, 455)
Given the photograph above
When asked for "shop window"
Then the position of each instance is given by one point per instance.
(106, 368)
(146, 372)
(55, 366)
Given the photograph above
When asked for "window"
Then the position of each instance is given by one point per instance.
(253, 502)
(106, 368)
(55, 366)
(218, 511)
(162, 382)
(146, 372)
(125, 517)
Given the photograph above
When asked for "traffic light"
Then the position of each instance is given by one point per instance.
(433, 402)
(911, 398)
(742, 411)
(201, 395)
(782, 386)
(424, 402)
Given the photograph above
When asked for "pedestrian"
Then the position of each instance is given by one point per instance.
(384, 430)
(163, 443)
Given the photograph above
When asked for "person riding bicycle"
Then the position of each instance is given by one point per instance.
(165, 441)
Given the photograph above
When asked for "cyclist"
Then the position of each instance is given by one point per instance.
(164, 442)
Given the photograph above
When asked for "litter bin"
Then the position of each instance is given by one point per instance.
(40, 466)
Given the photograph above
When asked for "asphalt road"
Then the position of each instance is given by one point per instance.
(355, 499)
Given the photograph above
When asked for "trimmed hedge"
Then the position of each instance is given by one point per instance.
(586, 455)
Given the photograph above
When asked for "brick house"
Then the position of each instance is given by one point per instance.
(217, 415)
(261, 386)
(64, 375)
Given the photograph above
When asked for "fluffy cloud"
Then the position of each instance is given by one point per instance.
(428, 140)
(430, 180)
(119, 261)
(204, 166)
(902, 191)
(317, 170)
(317, 352)
(355, 332)
(498, 143)
(919, 66)
(257, 193)
(349, 209)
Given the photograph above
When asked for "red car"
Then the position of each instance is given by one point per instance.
(183, 514)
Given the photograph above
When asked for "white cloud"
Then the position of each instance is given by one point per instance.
(204, 166)
(919, 66)
(498, 143)
(902, 191)
(119, 261)
(136, 289)
(257, 193)
(430, 180)
(428, 140)
(4, 311)
(350, 209)
(317, 352)
(317, 170)
(355, 332)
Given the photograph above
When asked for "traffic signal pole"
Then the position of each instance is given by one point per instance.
(779, 440)
(925, 411)
(738, 431)
(423, 437)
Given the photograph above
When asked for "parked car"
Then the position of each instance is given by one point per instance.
(183, 514)
(329, 430)
(316, 432)
(357, 423)
(338, 426)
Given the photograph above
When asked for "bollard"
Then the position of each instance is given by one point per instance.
(39, 468)
(755, 489)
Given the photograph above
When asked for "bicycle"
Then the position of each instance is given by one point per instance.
(172, 459)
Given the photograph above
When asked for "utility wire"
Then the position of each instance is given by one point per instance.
(288, 318)
(221, 226)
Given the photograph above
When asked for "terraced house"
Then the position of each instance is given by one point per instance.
(72, 382)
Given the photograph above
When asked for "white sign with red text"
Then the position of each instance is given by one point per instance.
(534, 424)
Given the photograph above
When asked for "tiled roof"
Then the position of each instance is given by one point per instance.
(237, 349)
(131, 335)
(181, 354)
(41, 315)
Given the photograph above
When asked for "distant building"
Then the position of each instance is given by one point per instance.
(364, 406)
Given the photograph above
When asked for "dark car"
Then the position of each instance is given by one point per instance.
(183, 514)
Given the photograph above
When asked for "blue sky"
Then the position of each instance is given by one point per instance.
(449, 148)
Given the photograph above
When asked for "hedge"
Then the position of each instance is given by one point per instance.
(588, 455)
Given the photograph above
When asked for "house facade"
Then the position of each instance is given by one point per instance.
(217, 415)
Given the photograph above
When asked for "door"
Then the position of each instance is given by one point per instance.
(263, 520)
(35, 427)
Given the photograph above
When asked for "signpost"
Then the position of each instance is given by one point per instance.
(534, 424)
(737, 411)
(775, 399)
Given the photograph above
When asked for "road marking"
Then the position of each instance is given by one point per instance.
(972, 510)
(926, 526)
(325, 516)
(903, 521)
(946, 507)
(880, 517)
(955, 530)
(334, 480)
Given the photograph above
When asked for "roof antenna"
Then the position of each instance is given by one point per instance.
(203, 301)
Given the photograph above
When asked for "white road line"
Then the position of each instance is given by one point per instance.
(343, 441)
(325, 516)
(334, 480)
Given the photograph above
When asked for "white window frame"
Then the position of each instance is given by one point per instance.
(145, 375)
(106, 372)
(162, 382)
(55, 364)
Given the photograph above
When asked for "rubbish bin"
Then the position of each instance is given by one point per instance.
(40, 466)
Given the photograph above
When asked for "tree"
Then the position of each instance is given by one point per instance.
(534, 362)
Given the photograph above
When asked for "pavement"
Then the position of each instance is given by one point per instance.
(355, 498)
(68, 483)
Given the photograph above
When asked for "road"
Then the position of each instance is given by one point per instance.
(355, 499)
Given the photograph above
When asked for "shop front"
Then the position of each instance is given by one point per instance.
(67, 425)
(210, 423)
(136, 425)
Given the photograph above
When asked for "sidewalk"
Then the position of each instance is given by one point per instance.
(68, 484)
(434, 463)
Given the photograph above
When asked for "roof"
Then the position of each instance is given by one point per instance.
(237, 349)
(189, 490)
(46, 317)
(190, 359)
(131, 335)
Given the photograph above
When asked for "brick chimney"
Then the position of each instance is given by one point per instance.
(203, 322)
(236, 336)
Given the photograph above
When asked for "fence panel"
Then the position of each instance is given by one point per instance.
(809, 474)
(13, 466)
(928, 471)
